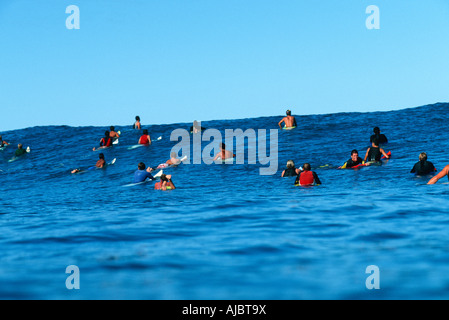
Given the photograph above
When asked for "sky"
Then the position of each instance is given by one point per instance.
(183, 60)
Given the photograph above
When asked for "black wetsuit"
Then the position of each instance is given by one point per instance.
(290, 172)
(422, 168)
(380, 137)
(374, 154)
(20, 152)
(350, 163)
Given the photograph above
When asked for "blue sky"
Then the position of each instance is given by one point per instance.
(181, 60)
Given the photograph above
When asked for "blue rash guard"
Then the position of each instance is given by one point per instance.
(142, 175)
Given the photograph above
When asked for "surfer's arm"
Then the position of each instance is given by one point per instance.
(383, 152)
(283, 120)
(440, 175)
(366, 155)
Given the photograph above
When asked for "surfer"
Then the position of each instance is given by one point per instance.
(423, 167)
(380, 137)
(374, 153)
(307, 177)
(291, 170)
(105, 142)
(289, 121)
(3, 143)
(143, 174)
(173, 161)
(441, 174)
(223, 154)
(196, 127)
(20, 151)
(165, 184)
(100, 164)
(145, 138)
(136, 124)
(354, 161)
(113, 134)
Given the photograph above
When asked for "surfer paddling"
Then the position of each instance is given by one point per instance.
(100, 164)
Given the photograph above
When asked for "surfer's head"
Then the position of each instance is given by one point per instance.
(306, 166)
(288, 112)
(141, 166)
(290, 164)
(376, 130)
(422, 156)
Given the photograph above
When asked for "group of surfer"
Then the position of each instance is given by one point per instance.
(20, 150)
(304, 175)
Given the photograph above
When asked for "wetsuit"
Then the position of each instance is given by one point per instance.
(290, 172)
(20, 152)
(374, 154)
(307, 178)
(381, 138)
(142, 175)
(106, 142)
(350, 163)
(144, 139)
(422, 168)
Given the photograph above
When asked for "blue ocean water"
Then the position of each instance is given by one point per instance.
(227, 232)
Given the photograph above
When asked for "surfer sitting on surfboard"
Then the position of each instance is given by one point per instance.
(20, 151)
(307, 177)
(113, 134)
(100, 164)
(145, 138)
(3, 143)
(423, 167)
(141, 174)
(374, 153)
(291, 170)
(224, 154)
(196, 128)
(354, 161)
(165, 183)
(105, 142)
(289, 120)
(136, 124)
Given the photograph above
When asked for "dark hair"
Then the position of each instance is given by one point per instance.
(145, 131)
(141, 166)
(112, 128)
(306, 166)
(101, 156)
(137, 118)
(376, 130)
(106, 133)
(376, 141)
(289, 112)
(354, 151)
(164, 177)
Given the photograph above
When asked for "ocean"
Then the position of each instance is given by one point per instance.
(228, 232)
